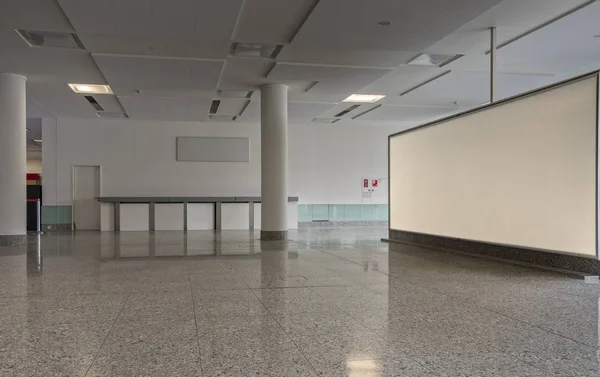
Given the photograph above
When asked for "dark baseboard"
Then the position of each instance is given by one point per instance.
(537, 257)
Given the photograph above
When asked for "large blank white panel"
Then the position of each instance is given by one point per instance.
(134, 217)
(522, 173)
(235, 216)
(107, 217)
(213, 149)
(168, 216)
(292, 215)
(200, 216)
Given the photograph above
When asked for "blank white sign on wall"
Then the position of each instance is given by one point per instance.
(213, 149)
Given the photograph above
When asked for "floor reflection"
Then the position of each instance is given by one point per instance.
(329, 302)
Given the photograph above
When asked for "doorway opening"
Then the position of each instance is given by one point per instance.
(86, 190)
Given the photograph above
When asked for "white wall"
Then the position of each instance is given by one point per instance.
(137, 158)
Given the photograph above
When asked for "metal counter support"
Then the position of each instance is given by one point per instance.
(185, 210)
(217, 216)
(152, 201)
(38, 225)
(151, 216)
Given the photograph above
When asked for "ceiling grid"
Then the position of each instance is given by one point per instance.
(168, 60)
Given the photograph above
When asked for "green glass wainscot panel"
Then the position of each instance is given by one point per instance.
(342, 212)
(352, 212)
(320, 212)
(305, 213)
(337, 212)
(56, 215)
(382, 212)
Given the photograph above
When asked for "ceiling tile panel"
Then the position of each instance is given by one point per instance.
(232, 106)
(271, 21)
(469, 89)
(344, 57)
(59, 100)
(166, 108)
(331, 79)
(296, 111)
(154, 46)
(127, 74)
(415, 24)
(209, 23)
(511, 19)
(406, 113)
(245, 73)
(47, 64)
(43, 15)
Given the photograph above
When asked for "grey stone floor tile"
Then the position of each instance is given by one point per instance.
(233, 295)
(470, 358)
(275, 364)
(211, 327)
(298, 324)
(253, 311)
(229, 309)
(65, 349)
(396, 367)
(149, 347)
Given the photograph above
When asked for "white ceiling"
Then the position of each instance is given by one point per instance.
(167, 59)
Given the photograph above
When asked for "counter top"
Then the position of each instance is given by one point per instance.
(184, 199)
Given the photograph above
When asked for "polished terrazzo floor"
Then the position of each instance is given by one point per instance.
(330, 302)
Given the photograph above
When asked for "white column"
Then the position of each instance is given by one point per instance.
(13, 191)
(274, 161)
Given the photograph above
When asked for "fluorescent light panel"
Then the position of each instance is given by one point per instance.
(37, 140)
(91, 89)
(364, 98)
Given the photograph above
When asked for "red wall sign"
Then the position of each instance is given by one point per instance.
(375, 182)
(366, 183)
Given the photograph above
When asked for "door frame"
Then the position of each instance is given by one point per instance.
(73, 166)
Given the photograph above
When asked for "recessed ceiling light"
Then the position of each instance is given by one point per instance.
(91, 89)
(365, 98)
(433, 60)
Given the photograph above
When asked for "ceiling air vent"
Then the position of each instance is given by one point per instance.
(50, 39)
(214, 106)
(94, 103)
(255, 50)
(107, 115)
(326, 120)
(351, 108)
(433, 60)
(222, 118)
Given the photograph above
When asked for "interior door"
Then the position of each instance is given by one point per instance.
(86, 188)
